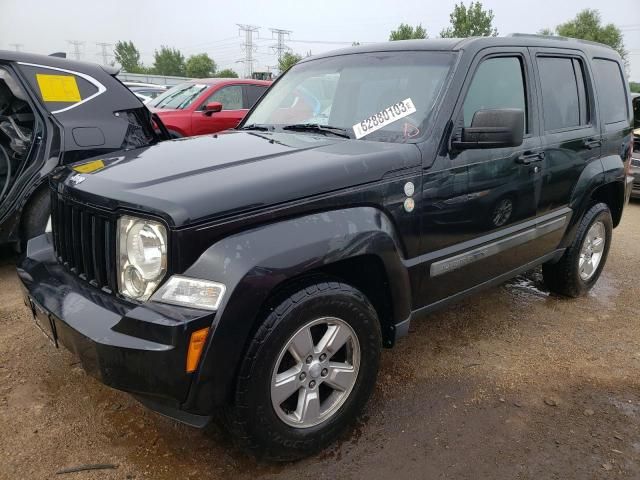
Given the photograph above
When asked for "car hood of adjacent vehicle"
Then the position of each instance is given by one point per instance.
(195, 179)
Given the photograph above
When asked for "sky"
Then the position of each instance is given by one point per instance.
(197, 26)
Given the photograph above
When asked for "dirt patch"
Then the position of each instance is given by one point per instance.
(511, 383)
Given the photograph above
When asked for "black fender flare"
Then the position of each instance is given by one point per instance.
(597, 173)
(253, 263)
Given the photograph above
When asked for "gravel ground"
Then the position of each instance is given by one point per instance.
(511, 383)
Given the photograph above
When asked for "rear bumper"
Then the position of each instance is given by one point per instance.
(140, 349)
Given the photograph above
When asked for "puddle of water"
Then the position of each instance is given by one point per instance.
(627, 407)
(529, 284)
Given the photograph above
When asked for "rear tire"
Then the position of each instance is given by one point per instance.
(579, 268)
(325, 388)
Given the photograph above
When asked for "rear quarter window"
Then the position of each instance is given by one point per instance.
(56, 89)
(612, 97)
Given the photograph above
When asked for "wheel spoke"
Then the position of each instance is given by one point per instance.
(587, 268)
(301, 345)
(333, 340)
(341, 376)
(308, 405)
(286, 384)
(598, 245)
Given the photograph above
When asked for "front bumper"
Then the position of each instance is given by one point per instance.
(140, 349)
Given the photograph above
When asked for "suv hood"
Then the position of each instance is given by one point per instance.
(195, 179)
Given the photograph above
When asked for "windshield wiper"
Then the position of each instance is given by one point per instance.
(255, 126)
(316, 127)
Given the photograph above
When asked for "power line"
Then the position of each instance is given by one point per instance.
(76, 48)
(104, 53)
(248, 47)
(16, 46)
(280, 47)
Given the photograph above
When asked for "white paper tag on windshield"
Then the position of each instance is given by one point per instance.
(384, 117)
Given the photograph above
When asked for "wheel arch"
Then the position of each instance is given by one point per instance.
(358, 246)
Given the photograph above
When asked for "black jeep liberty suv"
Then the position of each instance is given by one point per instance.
(259, 272)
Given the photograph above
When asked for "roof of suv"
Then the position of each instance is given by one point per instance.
(57, 62)
(478, 43)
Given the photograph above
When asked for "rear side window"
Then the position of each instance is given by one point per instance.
(254, 92)
(612, 97)
(497, 83)
(564, 97)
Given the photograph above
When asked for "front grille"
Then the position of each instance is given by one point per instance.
(84, 242)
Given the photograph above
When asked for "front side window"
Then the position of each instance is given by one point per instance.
(611, 90)
(230, 97)
(179, 97)
(497, 83)
(347, 90)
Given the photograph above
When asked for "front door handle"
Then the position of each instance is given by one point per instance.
(590, 143)
(528, 158)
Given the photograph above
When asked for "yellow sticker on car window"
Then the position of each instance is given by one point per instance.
(58, 88)
(89, 167)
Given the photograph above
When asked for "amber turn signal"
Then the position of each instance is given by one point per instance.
(196, 345)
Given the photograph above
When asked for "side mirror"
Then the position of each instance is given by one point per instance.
(212, 107)
(493, 129)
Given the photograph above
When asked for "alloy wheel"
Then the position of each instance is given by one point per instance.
(315, 372)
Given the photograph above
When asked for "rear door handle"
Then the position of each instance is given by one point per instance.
(528, 158)
(590, 143)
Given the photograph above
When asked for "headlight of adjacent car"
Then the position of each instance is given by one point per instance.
(142, 256)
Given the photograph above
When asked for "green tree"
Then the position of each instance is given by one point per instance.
(546, 31)
(169, 61)
(288, 60)
(226, 73)
(200, 66)
(471, 21)
(407, 32)
(128, 56)
(635, 87)
(587, 25)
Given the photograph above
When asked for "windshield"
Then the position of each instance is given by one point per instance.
(179, 97)
(382, 96)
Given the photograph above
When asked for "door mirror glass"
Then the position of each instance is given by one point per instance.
(213, 107)
(493, 129)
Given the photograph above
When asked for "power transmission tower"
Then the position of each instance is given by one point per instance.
(76, 48)
(280, 47)
(248, 47)
(17, 46)
(103, 52)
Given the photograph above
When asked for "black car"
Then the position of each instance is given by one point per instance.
(55, 111)
(259, 272)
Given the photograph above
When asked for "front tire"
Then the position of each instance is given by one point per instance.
(581, 265)
(308, 372)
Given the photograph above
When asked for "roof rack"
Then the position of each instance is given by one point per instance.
(559, 38)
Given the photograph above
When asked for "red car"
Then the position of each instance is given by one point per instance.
(206, 105)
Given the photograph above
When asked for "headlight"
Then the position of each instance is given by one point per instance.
(190, 292)
(142, 256)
